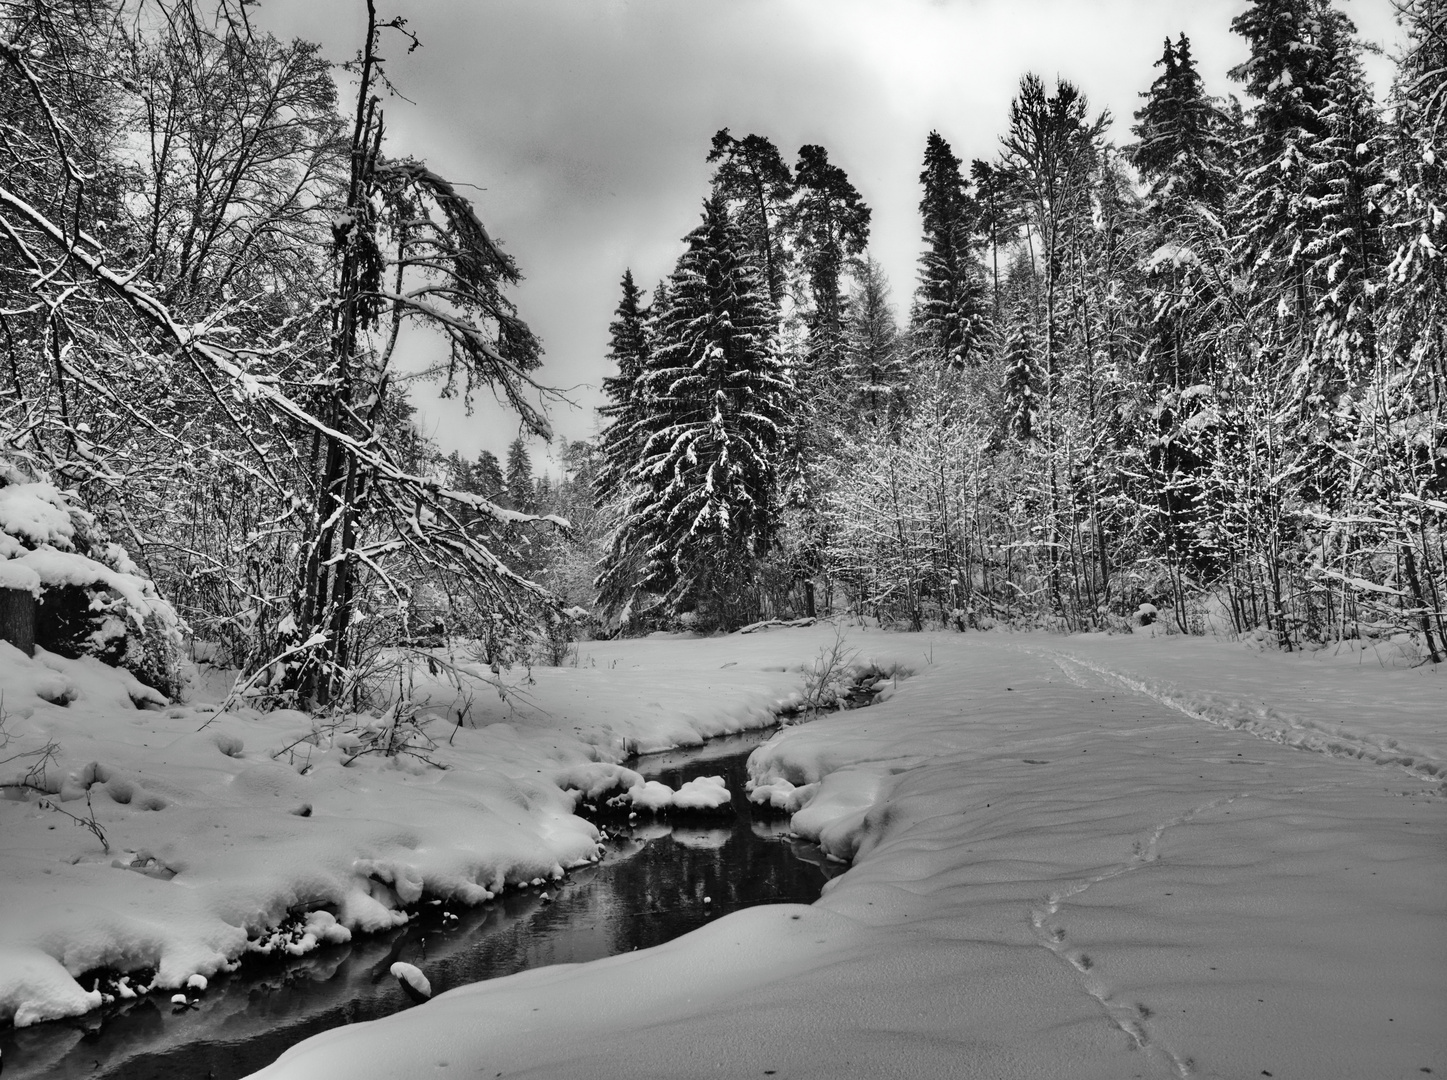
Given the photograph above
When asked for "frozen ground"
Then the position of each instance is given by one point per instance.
(1073, 856)
(1083, 857)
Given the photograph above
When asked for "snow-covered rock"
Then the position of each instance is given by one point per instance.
(412, 980)
(93, 601)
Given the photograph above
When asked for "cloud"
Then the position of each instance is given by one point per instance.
(587, 122)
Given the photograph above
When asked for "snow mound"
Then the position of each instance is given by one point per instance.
(781, 794)
(36, 987)
(412, 975)
(704, 793)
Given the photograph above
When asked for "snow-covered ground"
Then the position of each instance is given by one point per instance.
(222, 826)
(1072, 856)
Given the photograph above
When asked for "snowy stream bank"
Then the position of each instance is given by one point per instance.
(660, 879)
(207, 831)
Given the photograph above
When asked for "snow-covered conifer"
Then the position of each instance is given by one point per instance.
(703, 505)
(876, 374)
(1021, 380)
(521, 488)
(1285, 75)
(628, 349)
(949, 308)
(1180, 148)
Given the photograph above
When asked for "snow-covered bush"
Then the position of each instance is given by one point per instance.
(92, 600)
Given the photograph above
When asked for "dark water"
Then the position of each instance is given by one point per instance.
(649, 889)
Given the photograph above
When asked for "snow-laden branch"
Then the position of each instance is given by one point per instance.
(197, 342)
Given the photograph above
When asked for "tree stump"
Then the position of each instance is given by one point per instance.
(17, 619)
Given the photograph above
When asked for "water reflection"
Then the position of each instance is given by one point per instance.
(659, 880)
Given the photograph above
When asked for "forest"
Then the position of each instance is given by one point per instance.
(1200, 368)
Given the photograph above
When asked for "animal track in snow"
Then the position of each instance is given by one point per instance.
(1262, 721)
(1128, 1016)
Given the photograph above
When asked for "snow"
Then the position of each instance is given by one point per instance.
(1089, 856)
(701, 793)
(237, 832)
(412, 976)
(1083, 856)
(650, 795)
(781, 794)
(37, 514)
(29, 570)
(36, 987)
(38, 532)
(1174, 255)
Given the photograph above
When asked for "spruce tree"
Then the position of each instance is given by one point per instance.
(482, 477)
(521, 491)
(875, 373)
(1286, 77)
(487, 476)
(1022, 377)
(949, 305)
(1403, 441)
(702, 509)
(1181, 152)
(1349, 185)
(1180, 149)
(629, 350)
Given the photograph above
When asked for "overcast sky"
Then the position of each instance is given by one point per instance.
(586, 122)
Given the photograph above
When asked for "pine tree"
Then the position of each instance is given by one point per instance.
(997, 218)
(753, 176)
(949, 306)
(1051, 152)
(703, 506)
(831, 225)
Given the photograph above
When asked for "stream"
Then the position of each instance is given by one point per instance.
(660, 879)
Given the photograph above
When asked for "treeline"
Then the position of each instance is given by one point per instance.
(1203, 370)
